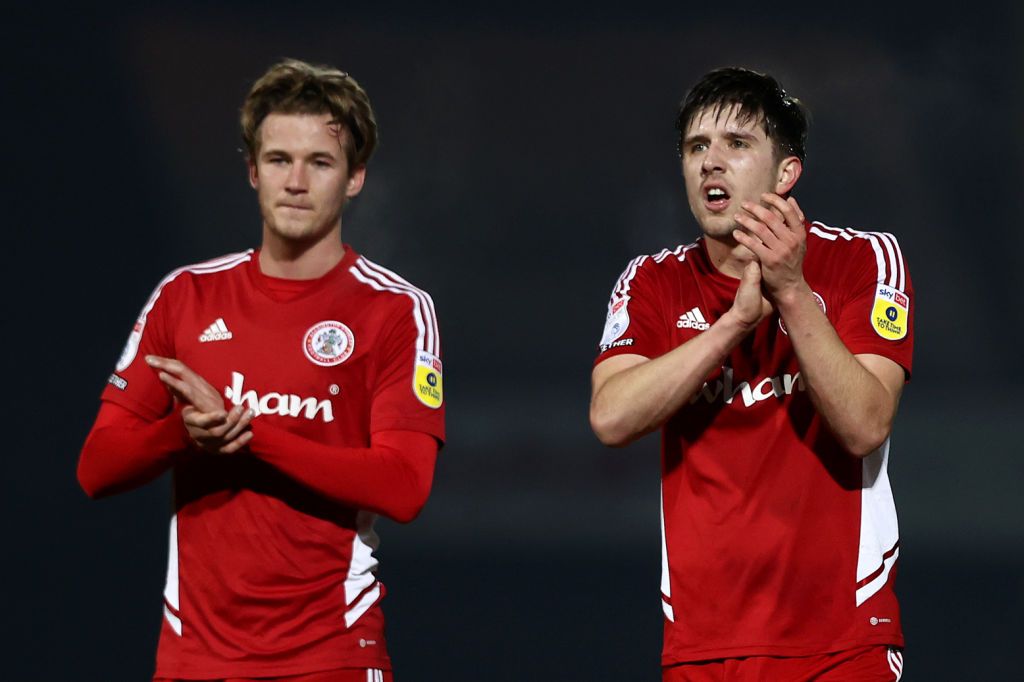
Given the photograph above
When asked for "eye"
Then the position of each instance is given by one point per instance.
(698, 147)
(739, 144)
(321, 163)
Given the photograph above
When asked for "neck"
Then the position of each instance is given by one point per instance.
(728, 256)
(289, 259)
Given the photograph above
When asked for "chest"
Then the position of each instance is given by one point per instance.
(308, 360)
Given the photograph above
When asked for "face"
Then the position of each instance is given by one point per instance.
(725, 163)
(301, 177)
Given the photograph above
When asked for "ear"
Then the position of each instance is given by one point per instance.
(790, 169)
(254, 174)
(355, 181)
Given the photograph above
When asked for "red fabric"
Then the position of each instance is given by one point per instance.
(124, 451)
(342, 675)
(273, 571)
(392, 477)
(863, 664)
(764, 541)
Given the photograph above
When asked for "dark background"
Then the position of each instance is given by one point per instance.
(526, 155)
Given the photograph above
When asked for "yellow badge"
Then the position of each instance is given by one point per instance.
(890, 315)
(426, 381)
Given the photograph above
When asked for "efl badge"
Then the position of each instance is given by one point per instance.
(616, 322)
(821, 304)
(890, 313)
(328, 343)
(426, 381)
(131, 348)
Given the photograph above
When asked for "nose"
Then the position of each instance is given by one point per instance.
(296, 182)
(713, 160)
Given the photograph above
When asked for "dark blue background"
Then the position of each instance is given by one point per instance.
(526, 155)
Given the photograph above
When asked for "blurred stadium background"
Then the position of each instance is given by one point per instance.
(526, 155)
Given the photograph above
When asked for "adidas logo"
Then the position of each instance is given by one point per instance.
(693, 320)
(218, 331)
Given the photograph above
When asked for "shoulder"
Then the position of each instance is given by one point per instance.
(386, 288)
(877, 252)
(651, 267)
(178, 279)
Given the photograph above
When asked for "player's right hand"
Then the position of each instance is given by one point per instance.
(750, 306)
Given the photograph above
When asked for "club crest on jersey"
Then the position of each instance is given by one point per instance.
(821, 304)
(426, 382)
(891, 312)
(328, 343)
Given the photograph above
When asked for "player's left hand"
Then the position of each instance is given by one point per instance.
(775, 233)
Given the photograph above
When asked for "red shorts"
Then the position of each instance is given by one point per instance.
(341, 675)
(865, 664)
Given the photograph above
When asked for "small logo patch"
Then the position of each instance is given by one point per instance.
(328, 343)
(693, 319)
(131, 347)
(616, 322)
(117, 382)
(890, 314)
(426, 381)
(218, 331)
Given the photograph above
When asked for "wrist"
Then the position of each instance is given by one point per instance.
(785, 298)
(734, 325)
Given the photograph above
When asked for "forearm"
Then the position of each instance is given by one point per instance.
(855, 404)
(123, 452)
(635, 401)
(391, 477)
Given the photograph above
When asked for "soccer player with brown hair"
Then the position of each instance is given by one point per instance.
(294, 391)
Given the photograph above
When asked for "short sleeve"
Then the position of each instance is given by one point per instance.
(878, 318)
(634, 323)
(408, 392)
(134, 384)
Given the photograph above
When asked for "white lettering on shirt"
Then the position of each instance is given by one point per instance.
(283, 404)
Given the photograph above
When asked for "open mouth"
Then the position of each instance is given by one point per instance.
(716, 198)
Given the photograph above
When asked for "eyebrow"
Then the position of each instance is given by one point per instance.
(729, 135)
(315, 155)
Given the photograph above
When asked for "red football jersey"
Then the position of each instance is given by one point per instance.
(265, 576)
(776, 542)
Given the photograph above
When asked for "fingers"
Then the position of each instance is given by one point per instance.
(243, 420)
(219, 433)
(185, 385)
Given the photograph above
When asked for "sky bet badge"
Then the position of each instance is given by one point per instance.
(426, 382)
(890, 313)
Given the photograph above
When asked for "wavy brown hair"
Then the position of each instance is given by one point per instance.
(296, 87)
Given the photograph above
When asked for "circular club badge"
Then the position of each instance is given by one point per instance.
(328, 343)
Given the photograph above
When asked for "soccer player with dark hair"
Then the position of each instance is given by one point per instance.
(295, 393)
(771, 353)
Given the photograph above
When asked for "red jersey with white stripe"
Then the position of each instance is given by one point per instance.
(265, 576)
(776, 542)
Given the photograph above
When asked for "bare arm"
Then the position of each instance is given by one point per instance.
(632, 395)
(857, 396)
